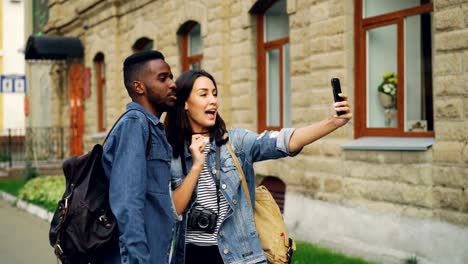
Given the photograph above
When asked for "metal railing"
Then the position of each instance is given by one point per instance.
(17, 146)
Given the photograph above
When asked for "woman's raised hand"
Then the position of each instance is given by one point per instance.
(197, 148)
(341, 120)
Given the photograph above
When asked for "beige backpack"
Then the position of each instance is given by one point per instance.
(276, 243)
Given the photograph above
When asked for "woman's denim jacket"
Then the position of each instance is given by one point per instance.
(139, 194)
(237, 238)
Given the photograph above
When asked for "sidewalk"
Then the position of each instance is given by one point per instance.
(23, 237)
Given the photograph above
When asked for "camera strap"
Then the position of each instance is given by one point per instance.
(218, 173)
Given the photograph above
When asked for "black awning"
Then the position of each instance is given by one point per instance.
(53, 48)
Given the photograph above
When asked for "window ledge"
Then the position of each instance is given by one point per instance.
(390, 143)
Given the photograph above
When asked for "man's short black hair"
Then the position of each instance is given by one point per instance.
(135, 63)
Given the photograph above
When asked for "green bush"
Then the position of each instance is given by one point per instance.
(44, 191)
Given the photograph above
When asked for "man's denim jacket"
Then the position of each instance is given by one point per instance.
(237, 238)
(139, 194)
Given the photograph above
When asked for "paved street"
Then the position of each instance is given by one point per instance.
(23, 237)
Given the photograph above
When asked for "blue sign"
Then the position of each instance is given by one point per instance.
(12, 83)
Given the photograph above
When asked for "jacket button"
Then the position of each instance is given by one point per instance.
(221, 233)
(223, 186)
(225, 251)
(234, 201)
(214, 171)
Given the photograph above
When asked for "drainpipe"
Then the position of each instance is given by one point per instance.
(10, 154)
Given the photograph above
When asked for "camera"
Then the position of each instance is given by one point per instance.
(200, 219)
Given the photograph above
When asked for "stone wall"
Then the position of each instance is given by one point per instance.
(450, 170)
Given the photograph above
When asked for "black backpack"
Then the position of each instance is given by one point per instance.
(83, 228)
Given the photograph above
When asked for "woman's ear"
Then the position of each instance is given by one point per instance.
(185, 106)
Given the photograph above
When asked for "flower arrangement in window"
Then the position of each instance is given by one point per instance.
(387, 90)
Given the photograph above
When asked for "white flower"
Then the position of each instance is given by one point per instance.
(387, 88)
(389, 84)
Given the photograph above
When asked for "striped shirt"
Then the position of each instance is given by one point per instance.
(206, 198)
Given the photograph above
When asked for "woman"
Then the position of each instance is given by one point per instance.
(218, 224)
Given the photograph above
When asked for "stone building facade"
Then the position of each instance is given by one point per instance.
(371, 196)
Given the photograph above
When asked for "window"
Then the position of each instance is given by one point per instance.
(192, 46)
(142, 44)
(100, 73)
(273, 65)
(394, 68)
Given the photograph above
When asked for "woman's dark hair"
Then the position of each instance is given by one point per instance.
(178, 129)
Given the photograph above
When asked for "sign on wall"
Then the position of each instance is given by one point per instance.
(12, 83)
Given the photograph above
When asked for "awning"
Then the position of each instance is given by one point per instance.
(53, 48)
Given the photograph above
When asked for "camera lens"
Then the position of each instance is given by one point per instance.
(203, 221)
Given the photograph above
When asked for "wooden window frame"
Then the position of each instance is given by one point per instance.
(262, 49)
(100, 82)
(362, 25)
(186, 59)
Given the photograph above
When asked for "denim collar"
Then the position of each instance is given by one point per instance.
(154, 119)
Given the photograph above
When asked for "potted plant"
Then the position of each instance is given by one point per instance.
(387, 90)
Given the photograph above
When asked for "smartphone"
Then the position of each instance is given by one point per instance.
(335, 83)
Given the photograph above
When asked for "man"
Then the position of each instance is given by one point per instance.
(137, 160)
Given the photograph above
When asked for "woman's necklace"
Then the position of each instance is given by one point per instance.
(200, 133)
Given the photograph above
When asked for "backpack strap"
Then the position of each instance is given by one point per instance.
(148, 143)
(241, 173)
